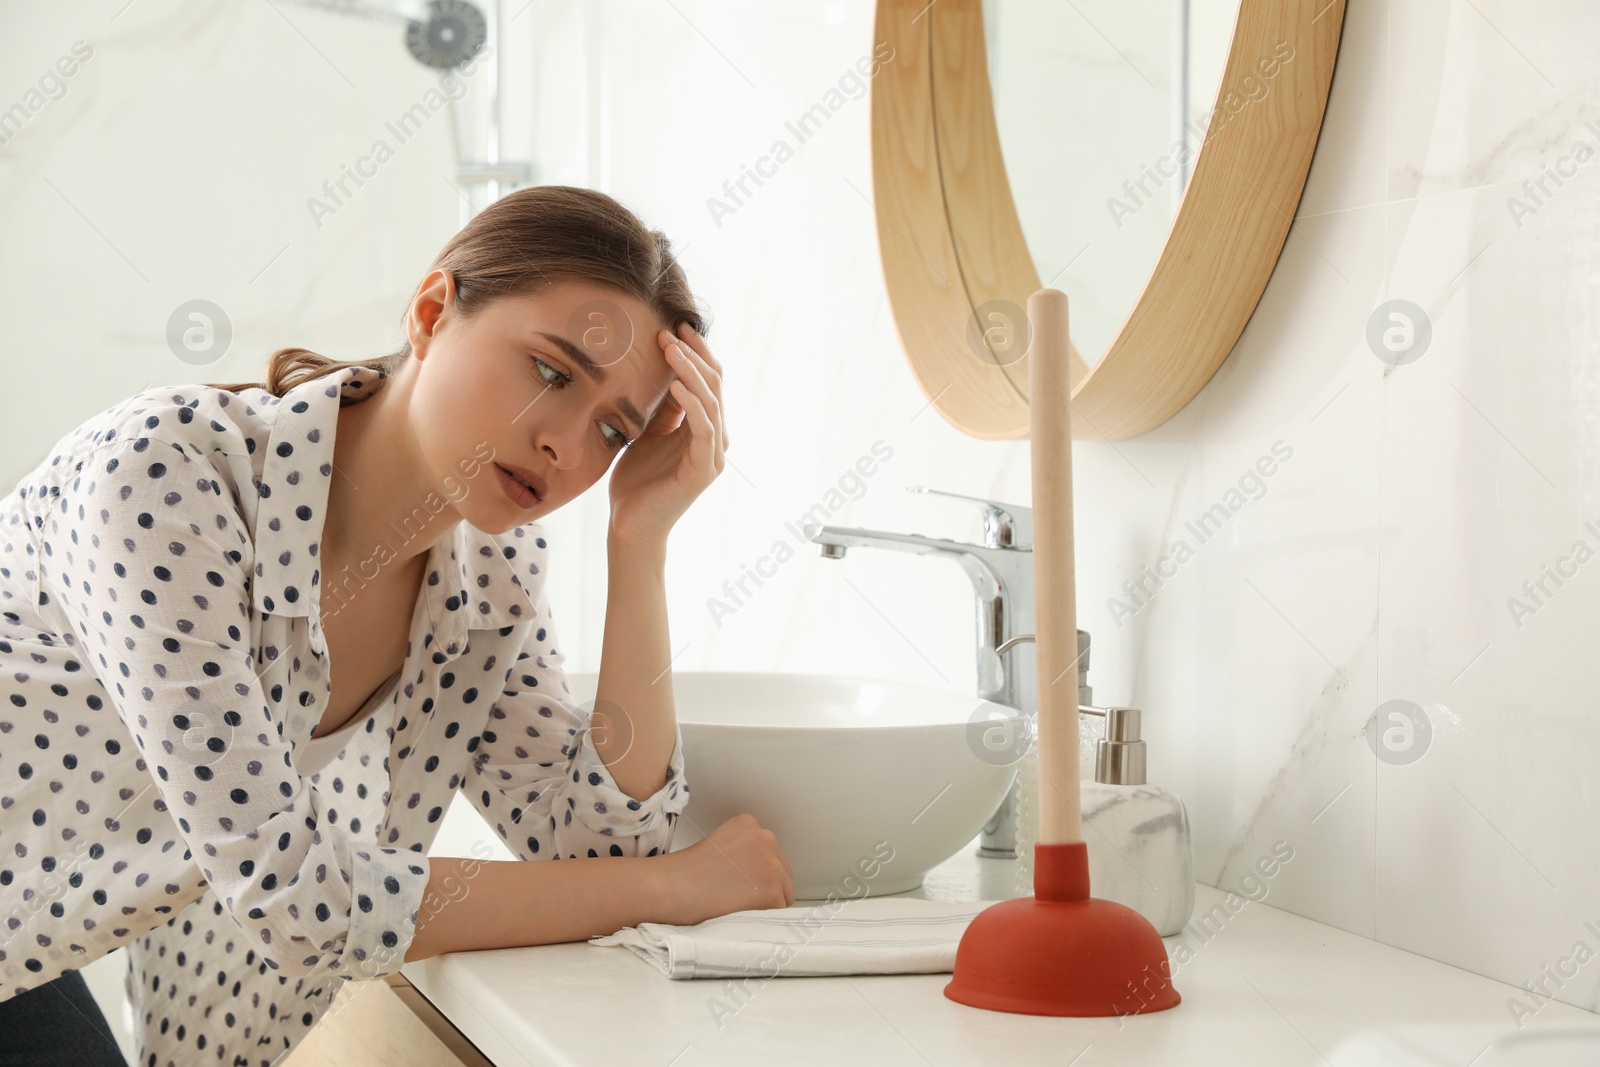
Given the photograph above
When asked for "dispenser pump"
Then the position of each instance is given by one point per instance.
(1119, 758)
(1121, 806)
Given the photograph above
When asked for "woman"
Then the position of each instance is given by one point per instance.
(186, 575)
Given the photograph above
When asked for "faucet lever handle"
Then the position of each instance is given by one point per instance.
(1004, 525)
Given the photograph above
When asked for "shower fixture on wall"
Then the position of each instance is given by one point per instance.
(439, 33)
(451, 34)
(444, 34)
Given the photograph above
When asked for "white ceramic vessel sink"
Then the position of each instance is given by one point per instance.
(867, 784)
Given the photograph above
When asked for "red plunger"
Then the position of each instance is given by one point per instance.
(1060, 951)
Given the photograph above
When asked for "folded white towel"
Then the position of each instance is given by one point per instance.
(873, 935)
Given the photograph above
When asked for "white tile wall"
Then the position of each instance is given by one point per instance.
(1381, 561)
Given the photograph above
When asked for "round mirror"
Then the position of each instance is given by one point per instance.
(1097, 148)
(1124, 91)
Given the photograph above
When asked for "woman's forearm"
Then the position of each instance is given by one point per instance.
(479, 904)
(635, 724)
(516, 903)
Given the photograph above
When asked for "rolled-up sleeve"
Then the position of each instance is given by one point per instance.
(156, 578)
(543, 785)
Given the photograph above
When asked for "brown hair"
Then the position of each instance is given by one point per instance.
(519, 244)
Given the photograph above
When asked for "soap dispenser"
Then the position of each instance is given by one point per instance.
(1140, 853)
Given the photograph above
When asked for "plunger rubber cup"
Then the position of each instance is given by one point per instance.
(1061, 951)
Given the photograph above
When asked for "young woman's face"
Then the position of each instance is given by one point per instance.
(552, 384)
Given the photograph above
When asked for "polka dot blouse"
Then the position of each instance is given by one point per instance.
(161, 662)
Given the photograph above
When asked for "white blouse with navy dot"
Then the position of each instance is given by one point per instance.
(162, 667)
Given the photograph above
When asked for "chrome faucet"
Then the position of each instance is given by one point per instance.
(1001, 569)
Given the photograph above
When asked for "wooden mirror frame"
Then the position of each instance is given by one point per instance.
(951, 241)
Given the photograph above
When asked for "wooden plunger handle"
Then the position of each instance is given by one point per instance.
(1055, 592)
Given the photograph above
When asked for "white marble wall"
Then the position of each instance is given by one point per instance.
(1381, 562)
(1376, 565)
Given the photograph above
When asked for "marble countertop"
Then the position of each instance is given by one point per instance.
(1259, 985)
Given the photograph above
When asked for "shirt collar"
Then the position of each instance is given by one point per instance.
(470, 582)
